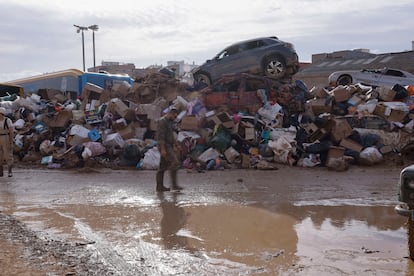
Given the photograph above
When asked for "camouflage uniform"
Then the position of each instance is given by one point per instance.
(6, 144)
(166, 136)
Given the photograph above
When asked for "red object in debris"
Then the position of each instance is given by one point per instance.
(58, 108)
(237, 92)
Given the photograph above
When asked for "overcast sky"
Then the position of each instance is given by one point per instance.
(38, 36)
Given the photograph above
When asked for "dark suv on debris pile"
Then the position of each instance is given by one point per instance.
(267, 56)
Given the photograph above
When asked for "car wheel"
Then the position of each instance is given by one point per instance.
(202, 79)
(275, 67)
(407, 153)
(344, 80)
(410, 232)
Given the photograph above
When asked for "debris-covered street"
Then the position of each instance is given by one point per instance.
(279, 178)
(287, 221)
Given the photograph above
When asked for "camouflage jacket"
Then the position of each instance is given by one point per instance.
(165, 132)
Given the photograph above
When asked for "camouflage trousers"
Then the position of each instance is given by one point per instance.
(6, 150)
(168, 163)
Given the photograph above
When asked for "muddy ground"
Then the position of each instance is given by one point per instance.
(290, 221)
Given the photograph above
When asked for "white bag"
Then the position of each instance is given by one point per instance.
(370, 156)
(151, 160)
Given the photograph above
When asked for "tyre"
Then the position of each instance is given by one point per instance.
(202, 78)
(275, 67)
(344, 80)
(407, 153)
(410, 232)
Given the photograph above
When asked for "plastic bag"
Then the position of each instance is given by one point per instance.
(281, 149)
(96, 148)
(370, 156)
(151, 160)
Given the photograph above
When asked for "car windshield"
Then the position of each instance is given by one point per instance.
(228, 52)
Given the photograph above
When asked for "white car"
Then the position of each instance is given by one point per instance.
(374, 77)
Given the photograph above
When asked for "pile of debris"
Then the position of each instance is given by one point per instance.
(114, 127)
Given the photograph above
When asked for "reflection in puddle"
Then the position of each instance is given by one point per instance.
(349, 246)
(176, 237)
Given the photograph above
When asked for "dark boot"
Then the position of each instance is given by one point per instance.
(10, 174)
(1, 170)
(160, 182)
(175, 186)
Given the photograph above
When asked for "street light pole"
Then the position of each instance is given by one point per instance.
(81, 29)
(94, 28)
(93, 41)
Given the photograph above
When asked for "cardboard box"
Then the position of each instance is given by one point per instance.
(127, 132)
(120, 107)
(386, 94)
(119, 124)
(380, 110)
(222, 118)
(387, 111)
(340, 130)
(114, 140)
(59, 120)
(318, 134)
(190, 123)
(246, 130)
(151, 110)
(78, 116)
(92, 105)
(341, 94)
(396, 115)
(92, 88)
(60, 98)
(335, 152)
(320, 105)
(350, 144)
(89, 93)
(319, 92)
(249, 133)
(122, 88)
(105, 96)
(245, 161)
(74, 140)
(231, 154)
(310, 128)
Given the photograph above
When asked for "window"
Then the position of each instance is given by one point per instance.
(252, 45)
(394, 73)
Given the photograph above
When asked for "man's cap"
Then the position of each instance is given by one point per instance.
(3, 110)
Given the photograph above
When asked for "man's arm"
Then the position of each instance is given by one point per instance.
(161, 133)
(11, 130)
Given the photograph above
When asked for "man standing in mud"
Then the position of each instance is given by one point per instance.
(166, 142)
(6, 142)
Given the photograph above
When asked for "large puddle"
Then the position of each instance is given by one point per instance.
(174, 235)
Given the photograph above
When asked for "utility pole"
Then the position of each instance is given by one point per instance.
(94, 28)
